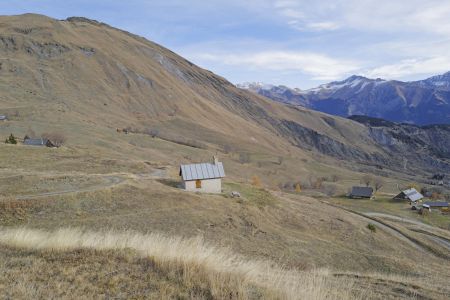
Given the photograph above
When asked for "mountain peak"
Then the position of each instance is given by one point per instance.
(438, 81)
(356, 77)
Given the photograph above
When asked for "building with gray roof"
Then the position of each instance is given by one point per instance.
(38, 142)
(203, 177)
(438, 205)
(410, 194)
(361, 192)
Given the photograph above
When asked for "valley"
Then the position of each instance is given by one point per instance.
(107, 205)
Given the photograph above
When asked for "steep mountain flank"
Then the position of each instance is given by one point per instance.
(432, 139)
(89, 79)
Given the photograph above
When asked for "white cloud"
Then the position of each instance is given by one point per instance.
(320, 67)
(323, 25)
(375, 15)
(410, 67)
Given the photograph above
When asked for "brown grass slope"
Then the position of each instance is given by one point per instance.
(296, 232)
(86, 79)
(82, 71)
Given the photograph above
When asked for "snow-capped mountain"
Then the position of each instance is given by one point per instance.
(279, 93)
(419, 102)
(438, 81)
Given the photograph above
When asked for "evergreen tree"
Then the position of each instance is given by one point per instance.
(12, 139)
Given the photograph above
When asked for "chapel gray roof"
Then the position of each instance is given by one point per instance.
(361, 191)
(202, 171)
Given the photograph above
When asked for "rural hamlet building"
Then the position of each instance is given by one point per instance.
(3, 118)
(361, 192)
(410, 194)
(438, 205)
(203, 177)
(38, 142)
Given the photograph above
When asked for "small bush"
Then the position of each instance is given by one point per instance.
(244, 158)
(183, 141)
(11, 140)
(256, 181)
(329, 189)
(366, 179)
(57, 138)
(372, 227)
(334, 178)
(378, 183)
(227, 148)
(315, 183)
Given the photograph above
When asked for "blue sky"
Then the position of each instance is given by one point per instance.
(298, 43)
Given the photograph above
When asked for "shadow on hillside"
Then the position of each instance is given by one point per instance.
(170, 182)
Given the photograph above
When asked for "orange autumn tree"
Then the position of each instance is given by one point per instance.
(256, 181)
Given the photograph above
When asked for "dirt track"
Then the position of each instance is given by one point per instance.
(110, 181)
(444, 242)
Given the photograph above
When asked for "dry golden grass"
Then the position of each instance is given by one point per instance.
(224, 274)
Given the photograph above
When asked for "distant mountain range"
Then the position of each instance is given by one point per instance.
(420, 102)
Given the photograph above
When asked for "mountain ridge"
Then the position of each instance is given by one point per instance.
(421, 102)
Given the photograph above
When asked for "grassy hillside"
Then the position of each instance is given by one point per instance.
(64, 212)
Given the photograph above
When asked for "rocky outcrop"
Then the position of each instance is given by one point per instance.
(427, 147)
(309, 139)
(399, 147)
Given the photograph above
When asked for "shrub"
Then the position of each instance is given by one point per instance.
(305, 184)
(315, 183)
(413, 185)
(436, 196)
(256, 181)
(366, 179)
(329, 189)
(289, 185)
(57, 138)
(378, 183)
(11, 140)
(280, 160)
(183, 141)
(153, 132)
(227, 149)
(244, 158)
(30, 133)
(334, 178)
(372, 227)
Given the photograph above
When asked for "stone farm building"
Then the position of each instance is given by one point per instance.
(203, 177)
(361, 192)
(438, 205)
(410, 194)
(38, 142)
